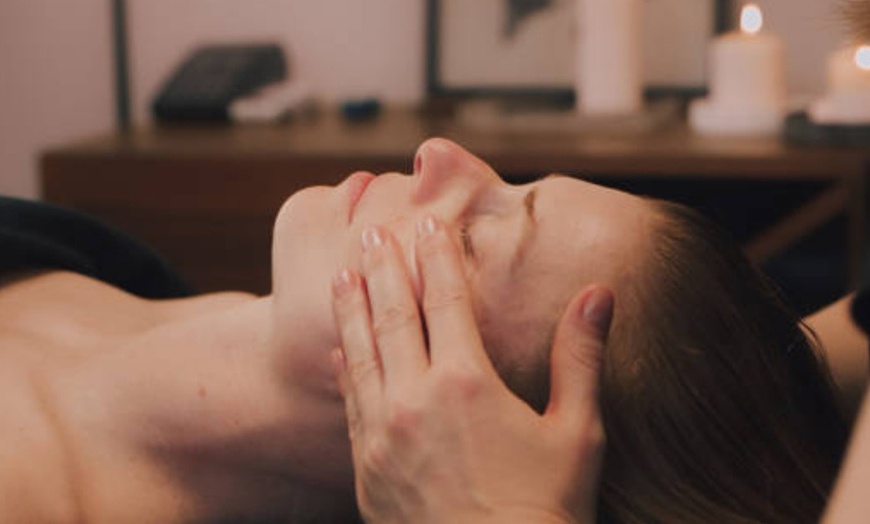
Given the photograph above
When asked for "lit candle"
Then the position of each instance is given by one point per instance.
(847, 100)
(608, 58)
(746, 82)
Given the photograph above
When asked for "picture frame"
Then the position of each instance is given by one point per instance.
(120, 62)
(469, 55)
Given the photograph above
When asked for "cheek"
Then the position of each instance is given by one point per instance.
(517, 321)
(519, 353)
(509, 324)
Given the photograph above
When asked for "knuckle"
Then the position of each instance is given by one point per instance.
(362, 370)
(589, 432)
(404, 421)
(354, 429)
(444, 298)
(462, 382)
(375, 454)
(349, 304)
(595, 435)
(588, 354)
(392, 319)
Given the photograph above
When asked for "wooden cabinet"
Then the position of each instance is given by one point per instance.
(206, 196)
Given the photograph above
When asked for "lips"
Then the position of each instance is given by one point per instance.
(356, 185)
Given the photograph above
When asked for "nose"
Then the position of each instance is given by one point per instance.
(443, 168)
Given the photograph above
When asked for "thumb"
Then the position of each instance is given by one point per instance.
(578, 351)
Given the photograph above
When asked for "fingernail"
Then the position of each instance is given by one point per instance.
(598, 309)
(427, 226)
(343, 283)
(371, 238)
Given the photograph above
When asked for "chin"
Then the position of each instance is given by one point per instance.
(308, 247)
(305, 237)
(304, 209)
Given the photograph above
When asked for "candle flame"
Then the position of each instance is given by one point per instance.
(862, 57)
(751, 19)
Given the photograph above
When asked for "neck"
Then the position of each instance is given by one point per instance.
(209, 417)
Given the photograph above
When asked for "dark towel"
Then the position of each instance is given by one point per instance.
(34, 235)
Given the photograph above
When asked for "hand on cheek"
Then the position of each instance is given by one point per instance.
(436, 435)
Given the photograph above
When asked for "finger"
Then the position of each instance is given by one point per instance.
(339, 366)
(578, 351)
(360, 379)
(447, 306)
(395, 315)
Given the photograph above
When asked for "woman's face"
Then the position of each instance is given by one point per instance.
(528, 249)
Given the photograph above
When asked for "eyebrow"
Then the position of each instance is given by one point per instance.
(530, 227)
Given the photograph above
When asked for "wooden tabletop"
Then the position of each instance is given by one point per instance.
(393, 137)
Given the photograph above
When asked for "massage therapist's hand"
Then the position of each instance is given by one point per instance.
(436, 435)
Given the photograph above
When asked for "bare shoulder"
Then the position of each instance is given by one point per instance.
(55, 328)
(845, 348)
(55, 316)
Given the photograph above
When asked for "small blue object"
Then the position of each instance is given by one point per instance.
(361, 110)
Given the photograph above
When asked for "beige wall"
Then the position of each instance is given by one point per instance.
(811, 29)
(55, 57)
(340, 48)
(55, 81)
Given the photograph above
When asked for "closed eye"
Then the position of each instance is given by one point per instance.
(467, 244)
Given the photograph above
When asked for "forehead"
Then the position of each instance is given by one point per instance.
(585, 234)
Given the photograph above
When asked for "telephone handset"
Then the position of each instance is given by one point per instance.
(205, 85)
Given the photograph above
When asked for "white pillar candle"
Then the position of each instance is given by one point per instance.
(746, 82)
(847, 100)
(608, 59)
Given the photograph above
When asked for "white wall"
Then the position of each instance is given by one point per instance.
(811, 29)
(55, 81)
(339, 48)
(56, 76)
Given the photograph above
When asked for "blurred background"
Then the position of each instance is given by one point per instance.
(56, 68)
(56, 77)
(57, 86)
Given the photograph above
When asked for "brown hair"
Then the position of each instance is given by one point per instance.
(716, 406)
(856, 13)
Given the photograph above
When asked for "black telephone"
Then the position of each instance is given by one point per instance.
(212, 77)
